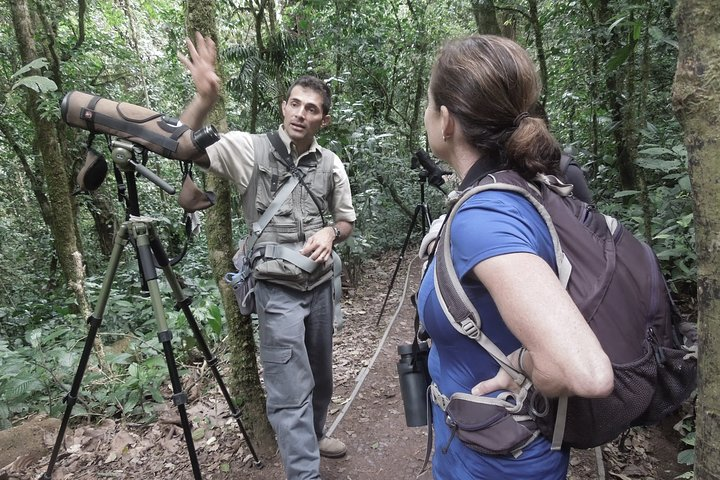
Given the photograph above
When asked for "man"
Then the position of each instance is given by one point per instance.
(295, 311)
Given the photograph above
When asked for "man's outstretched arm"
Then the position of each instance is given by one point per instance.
(201, 66)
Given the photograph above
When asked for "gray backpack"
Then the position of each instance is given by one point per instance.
(617, 284)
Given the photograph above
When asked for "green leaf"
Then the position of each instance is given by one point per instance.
(215, 322)
(686, 457)
(615, 24)
(156, 395)
(689, 439)
(34, 337)
(625, 193)
(120, 358)
(684, 183)
(131, 402)
(36, 82)
(37, 64)
(657, 164)
(686, 476)
(25, 385)
(653, 151)
(619, 57)
(637, 30)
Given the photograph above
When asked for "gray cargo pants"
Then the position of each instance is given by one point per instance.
(296, 330)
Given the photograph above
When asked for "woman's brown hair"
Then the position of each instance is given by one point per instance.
(489, 84)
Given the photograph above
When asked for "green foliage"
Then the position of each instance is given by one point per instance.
(376, 56)
(670, 196)
(38, 83)
(686, 428)
(37, 368)
(30, 369)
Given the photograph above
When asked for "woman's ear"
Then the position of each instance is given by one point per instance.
(447, 122)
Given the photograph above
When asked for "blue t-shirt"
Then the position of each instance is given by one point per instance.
(489, 224)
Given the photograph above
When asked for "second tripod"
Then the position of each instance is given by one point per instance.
(429, 173)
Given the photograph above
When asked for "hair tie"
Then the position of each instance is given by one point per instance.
(520, 118)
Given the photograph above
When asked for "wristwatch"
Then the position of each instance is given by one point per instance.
(337, 232)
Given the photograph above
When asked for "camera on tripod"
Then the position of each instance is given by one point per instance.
(137, 130)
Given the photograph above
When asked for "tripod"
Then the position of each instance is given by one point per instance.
(140, 232)
(423, 212)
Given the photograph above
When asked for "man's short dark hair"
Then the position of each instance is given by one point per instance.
(314, 83)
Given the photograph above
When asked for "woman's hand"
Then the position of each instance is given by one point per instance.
(502, 380)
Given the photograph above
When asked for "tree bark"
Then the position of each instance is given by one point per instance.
(49, 145)
(537, 30)
(485, 17)
(245, 381)
(696, 99)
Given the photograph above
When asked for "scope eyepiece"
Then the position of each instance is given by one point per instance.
(205, 137)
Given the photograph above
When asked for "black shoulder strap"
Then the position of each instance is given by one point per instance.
(280, 148)
(286, 160)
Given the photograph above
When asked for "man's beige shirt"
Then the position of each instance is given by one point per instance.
(233, 157)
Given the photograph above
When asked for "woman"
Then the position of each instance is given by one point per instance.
(481, 88)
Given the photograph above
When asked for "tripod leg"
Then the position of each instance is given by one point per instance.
(94, 321)
(400, 259)
(183, 303)
(165, 336)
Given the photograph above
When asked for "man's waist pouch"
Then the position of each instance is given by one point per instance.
(285, 265)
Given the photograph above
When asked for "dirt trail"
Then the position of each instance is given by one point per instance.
(380, 445)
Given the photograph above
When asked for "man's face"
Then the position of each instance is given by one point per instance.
(303, 116)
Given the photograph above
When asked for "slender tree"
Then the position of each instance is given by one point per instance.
(696, 99)
(244, 368)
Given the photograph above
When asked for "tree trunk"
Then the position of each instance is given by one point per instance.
(485, 17)
(696, 99)
(245, 381)
(537, 30)
(48, 143)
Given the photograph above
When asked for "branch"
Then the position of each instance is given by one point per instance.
(82, 7)
(514, 10)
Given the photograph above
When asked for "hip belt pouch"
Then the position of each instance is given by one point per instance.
(244, 289)
(283, 264)
(486, 428)
(243, 283)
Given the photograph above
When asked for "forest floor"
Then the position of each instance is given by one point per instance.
(367, 414)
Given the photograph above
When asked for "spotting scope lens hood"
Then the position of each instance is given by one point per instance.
(158, 133)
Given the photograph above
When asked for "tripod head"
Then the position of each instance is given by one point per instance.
(429, 170)
(124, 155)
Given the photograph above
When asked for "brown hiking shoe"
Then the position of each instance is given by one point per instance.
(332, 447)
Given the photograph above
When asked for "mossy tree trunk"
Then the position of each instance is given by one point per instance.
(50, 147)
(485, 17)
(696, 99)
(245, 381)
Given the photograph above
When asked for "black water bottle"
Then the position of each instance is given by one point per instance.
(414, 381)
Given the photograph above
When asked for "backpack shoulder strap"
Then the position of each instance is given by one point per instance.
(565, 161)
(454, 301)
(281, 149)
